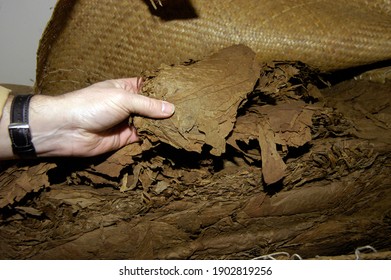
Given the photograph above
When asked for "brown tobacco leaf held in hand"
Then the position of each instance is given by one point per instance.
(206, 95)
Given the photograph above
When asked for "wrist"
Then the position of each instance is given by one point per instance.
(46, 127)
(19, 127)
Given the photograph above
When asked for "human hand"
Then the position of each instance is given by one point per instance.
(93, 120)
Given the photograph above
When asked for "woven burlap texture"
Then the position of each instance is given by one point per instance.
(90, 40)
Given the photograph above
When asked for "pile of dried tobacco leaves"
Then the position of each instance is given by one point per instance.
(257, 158)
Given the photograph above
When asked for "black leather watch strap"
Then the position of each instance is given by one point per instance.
(19, 128)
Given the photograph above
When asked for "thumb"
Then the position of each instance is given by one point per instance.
(149, 107)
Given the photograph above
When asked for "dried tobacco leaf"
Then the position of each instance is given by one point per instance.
(206, 94)
(285, 124)
(284, 80)
(291, 122)
(114, 164)
(19, 181)
(273, 167)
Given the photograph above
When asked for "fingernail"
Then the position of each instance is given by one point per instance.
(168, 108)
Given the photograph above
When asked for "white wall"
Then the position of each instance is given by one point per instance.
(21, 25)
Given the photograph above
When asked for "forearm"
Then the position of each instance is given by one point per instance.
(5, 141)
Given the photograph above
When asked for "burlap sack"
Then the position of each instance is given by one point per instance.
(87, 41)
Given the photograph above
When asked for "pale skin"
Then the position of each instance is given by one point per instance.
(86, 122)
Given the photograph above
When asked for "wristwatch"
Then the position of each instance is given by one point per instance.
(19, 128)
